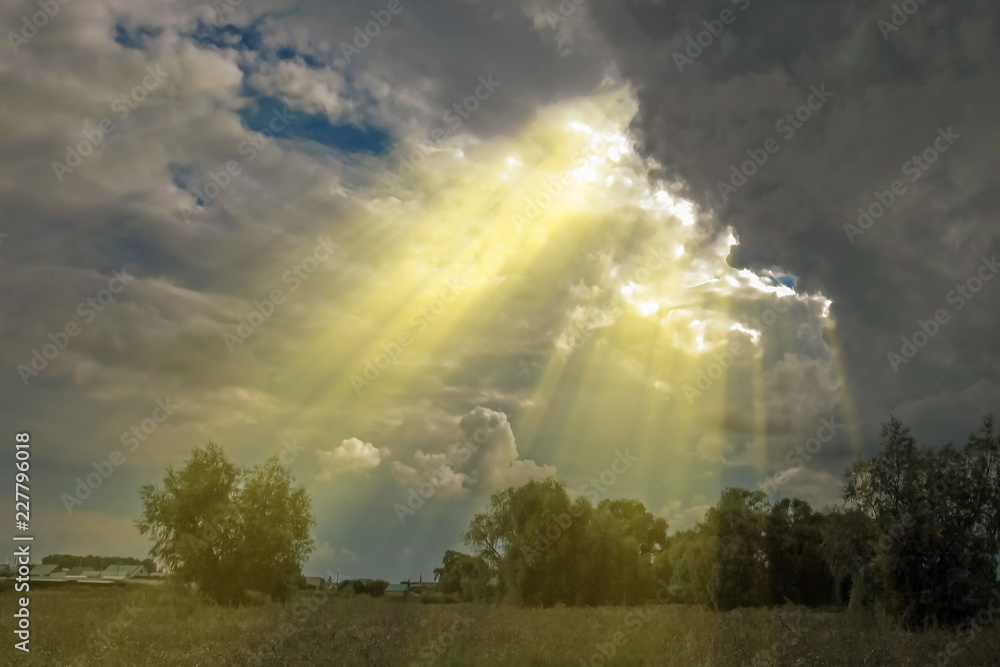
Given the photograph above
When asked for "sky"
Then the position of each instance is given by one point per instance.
(426, 251)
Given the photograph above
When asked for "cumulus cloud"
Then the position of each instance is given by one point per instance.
(352, 455)
(483, 460)
(817, 487)
(434, 468)
(680, 517)
(713, 447)
(892, 92)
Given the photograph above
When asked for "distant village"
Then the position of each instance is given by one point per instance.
(145, 574)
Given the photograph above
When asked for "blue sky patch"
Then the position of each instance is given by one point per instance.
(180, 174)
(227, 36)
(135, 38)
(272, 115)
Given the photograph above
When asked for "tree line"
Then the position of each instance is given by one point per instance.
(918, 534)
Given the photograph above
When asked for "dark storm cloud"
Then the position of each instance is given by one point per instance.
(892, 90)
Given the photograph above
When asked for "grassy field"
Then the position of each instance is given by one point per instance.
(157, 626)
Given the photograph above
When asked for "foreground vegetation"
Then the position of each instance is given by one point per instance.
(122, 626)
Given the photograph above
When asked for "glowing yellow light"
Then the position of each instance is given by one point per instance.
(649, 307)
(753, 333)
(589, 171)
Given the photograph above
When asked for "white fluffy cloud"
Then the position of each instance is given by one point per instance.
(713, 447)
(681, 517)
(352, 455)
(484, 459)
(817, 487)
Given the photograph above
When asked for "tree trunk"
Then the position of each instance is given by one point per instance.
(857, 592)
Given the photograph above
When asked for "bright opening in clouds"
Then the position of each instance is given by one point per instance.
(484, 246)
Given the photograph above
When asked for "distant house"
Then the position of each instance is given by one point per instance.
(419, 587)
(398, 590)
(317, 583)
(119, 572)
(44, 574)
(40, 571)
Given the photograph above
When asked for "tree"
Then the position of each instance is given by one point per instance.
(540, 548)
(633, 539)
(463, 575)
(228, 529)
(797, 569)
(937, 515)
(738, 523)
(849, 537)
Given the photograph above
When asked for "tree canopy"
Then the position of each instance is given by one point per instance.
(919, 531)
(229, 529)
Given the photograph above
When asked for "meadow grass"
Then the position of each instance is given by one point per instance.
(118, 626)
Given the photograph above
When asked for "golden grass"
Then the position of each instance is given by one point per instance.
(158, 626)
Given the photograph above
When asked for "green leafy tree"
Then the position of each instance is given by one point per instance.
(540, 548)
(849, 537)
(936, 515)
(797, 569)
(463, 575)
(738, 523)
(227, 529)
